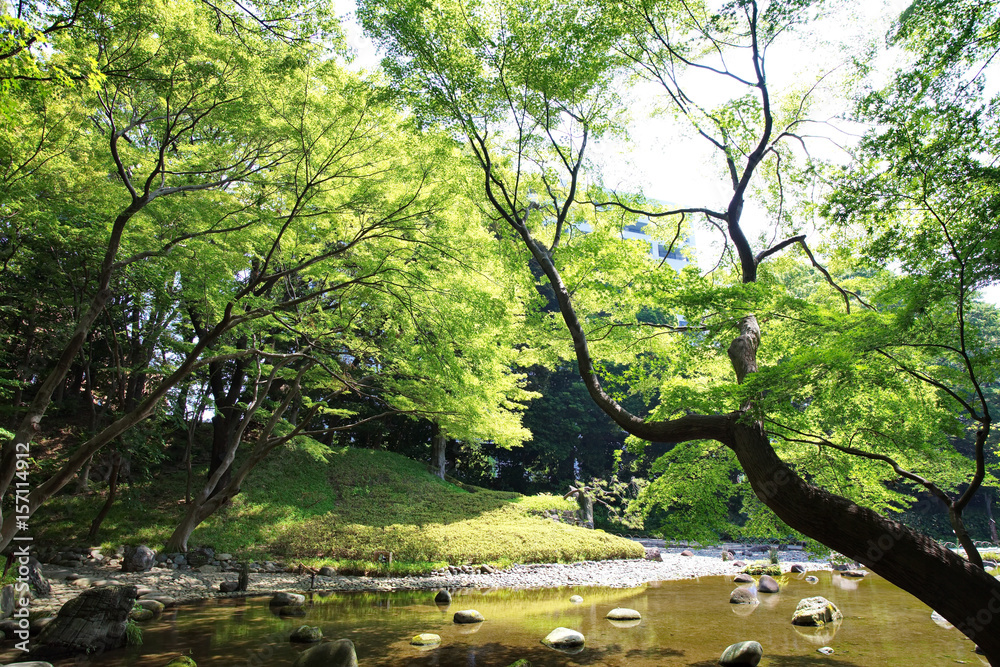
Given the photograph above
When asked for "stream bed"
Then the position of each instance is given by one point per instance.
(687, 622)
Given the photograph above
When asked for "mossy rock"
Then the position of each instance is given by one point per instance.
(140, 615)
(182, 661)
(306, 634)
(816, 611)
(426, 639)
(758, 569)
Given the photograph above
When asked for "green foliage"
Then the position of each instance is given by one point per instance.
(133, 632)
(691, 493)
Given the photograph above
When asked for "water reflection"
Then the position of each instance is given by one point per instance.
(683, 623)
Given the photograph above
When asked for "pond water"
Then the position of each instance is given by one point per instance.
(683, 623)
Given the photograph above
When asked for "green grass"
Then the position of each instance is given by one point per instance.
(341, 507)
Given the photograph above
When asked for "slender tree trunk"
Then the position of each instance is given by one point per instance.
(439, 446)
(213, 494)
(988, 501)
(112, 492)
(83, 479)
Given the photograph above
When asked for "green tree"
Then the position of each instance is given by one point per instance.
(243, 202)
(821, 398)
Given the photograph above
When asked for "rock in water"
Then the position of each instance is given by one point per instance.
(767, 584)
(442, 597)
(426, 639)
(743, 595)
(562, 638)
(182, 661)
(743, 578)
(817, 611)
(306, 634)
(576, 599)
(468, 616)
(138, 559)
(742, 653)
(797, 568)
(283, 599)
(154, 606)
(622, 614)
(339, 653)
(93, 622)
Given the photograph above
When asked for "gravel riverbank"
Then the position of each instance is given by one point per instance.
(187, 585)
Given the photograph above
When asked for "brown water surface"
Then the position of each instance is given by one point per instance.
(683, 623)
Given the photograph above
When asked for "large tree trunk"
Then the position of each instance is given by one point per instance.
(964, 594)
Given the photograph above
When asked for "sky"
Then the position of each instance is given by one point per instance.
(671, 164)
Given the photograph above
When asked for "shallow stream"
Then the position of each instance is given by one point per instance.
(683, 623)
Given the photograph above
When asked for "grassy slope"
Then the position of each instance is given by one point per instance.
(303, 506)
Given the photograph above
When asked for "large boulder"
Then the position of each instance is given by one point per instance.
(816, 611)
(138, 559)
(340, 653)
(564, 638)
(94, 622)
(742, 653)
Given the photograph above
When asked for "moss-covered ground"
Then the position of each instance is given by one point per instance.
(341, 507)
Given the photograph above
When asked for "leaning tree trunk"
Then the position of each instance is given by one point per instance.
(964, 594)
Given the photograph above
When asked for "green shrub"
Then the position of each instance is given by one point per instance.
(757, 568)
